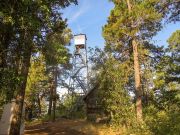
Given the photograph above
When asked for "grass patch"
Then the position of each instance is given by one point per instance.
(98, 129)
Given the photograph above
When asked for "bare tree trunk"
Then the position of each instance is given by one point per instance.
(137, 82)
(54, 94)
(50, 101)
(137, 75)
(19, 101)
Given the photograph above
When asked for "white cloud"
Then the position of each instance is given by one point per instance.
(74, 15)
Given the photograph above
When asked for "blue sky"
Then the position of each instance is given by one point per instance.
(165, 33)
(89, 16)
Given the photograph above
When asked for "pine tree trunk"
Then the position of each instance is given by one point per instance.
(54, 94)
(50, 101)
(137, 82)
(136, 74)
(19, 101)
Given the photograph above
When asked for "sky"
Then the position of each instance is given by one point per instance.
(89, 16)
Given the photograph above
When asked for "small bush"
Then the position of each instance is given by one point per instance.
(163, 122)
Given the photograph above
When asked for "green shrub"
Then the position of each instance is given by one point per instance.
(163, 122)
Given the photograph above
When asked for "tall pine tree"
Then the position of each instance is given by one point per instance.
(130, 24)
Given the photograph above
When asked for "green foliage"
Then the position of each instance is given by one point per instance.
(7, 81)
(24, 27)
(72, 107)
(113, 96)
(174, 41)
(33, 27)
(124, 25)
(163, 121)
(37, 72)
(140, 21)
(113, 75)
(162, 116)
(130, 26)
(55, 49)
(37, 84)
(167, 70)
(170, 10)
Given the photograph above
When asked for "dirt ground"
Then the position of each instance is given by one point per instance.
(62, 127)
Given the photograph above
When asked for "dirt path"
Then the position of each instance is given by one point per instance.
(60, 127)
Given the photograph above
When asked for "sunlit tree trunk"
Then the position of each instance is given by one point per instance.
(137, 82)
(137, 75)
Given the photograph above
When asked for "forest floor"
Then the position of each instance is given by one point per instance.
(66, 127)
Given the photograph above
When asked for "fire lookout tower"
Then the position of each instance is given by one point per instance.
(79, 77)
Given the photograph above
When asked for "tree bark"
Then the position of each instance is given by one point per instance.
(25, 50)
(54, 94)
(50, 101)
(19, 101)
(137, 82)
